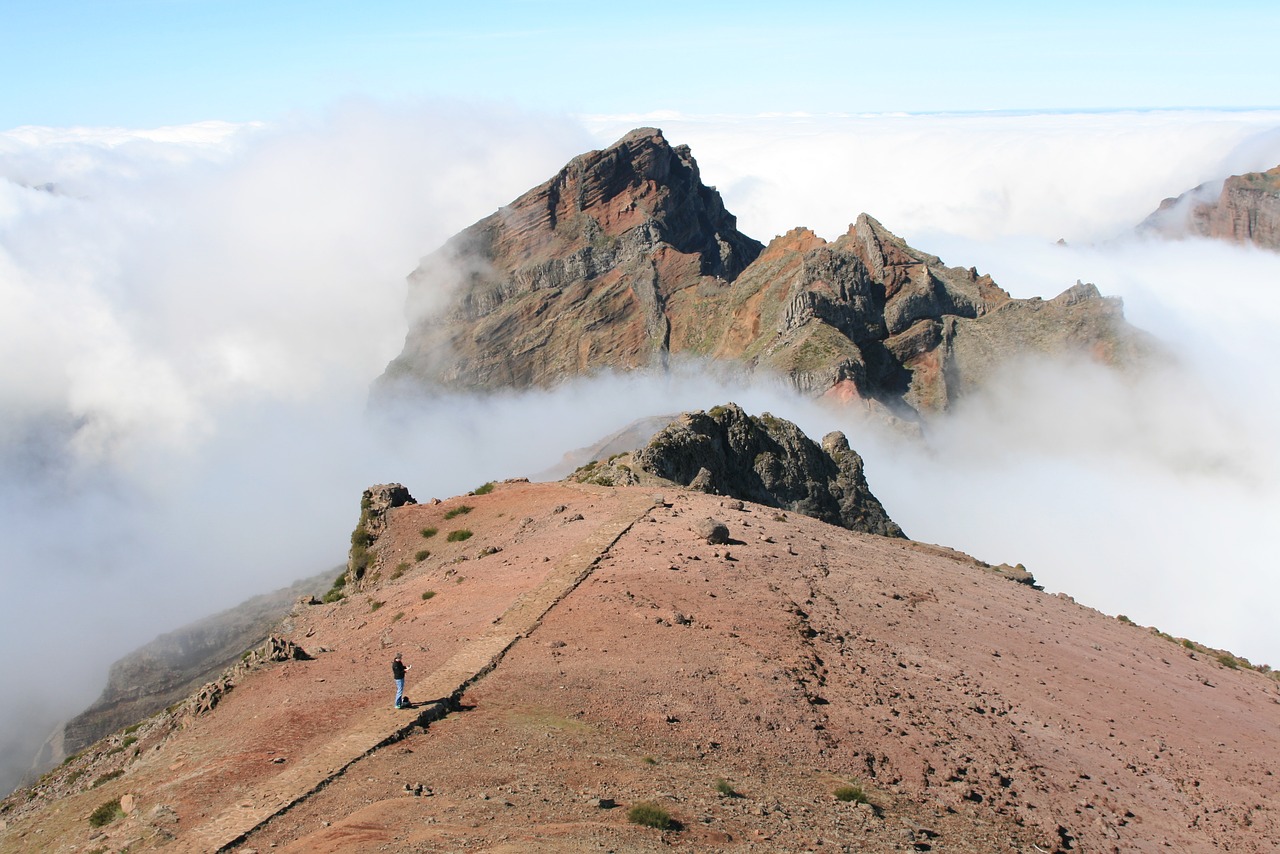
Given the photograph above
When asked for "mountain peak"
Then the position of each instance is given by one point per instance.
(624, 260)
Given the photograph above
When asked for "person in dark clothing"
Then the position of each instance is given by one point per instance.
(398, 667)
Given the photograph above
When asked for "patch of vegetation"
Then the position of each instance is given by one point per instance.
(129, 741)
(648, 760)
(483, 489)
(106, 813)
(71, 778)
(107, 777)
(851, 793)
(460, 510)
(401, 568)
(428, 533)
(134, 728)
(422, 554)
(1186, 642)
(428, 594)
(398, 617)
(459, 535)
(336, 592)
(1228, 660)
(649, 814)
(726, 788)
(1122, 618)
(374, 604)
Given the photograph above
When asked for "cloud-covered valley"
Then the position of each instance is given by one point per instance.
(192, 318)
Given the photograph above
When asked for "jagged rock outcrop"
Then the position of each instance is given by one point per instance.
(769, 461)
(1245, 210)
(375, 503)
(626, 261)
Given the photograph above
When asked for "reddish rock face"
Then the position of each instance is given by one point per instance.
(625, 260)
(1247, 210)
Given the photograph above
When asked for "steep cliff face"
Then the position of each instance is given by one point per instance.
(625, 260)
(1245, 210)
(577, 274)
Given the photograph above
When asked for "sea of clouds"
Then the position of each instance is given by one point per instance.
(192, 317)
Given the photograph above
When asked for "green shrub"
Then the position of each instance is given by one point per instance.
(107, 777)
(1228, 660)
(335, 594)
(1122, 618)
(134, 728)
(851, 793)
(483, 489)
(459, 535)
(422, 555)
(428, 594)
(428, 533)
(725, 788)
(649, 814)
(129, 741)
(398, 617)
(1186, 642)
(401, 568)
(374, 604)
(106, 813)
(460, 510)
(648, 760)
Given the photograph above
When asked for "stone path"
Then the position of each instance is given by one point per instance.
(291, 786)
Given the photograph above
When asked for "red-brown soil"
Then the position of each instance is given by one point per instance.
(979, 715)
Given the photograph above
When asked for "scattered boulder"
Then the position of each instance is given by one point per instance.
(716, 533)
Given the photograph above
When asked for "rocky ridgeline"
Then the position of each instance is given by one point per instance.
(765, 460)
(173, 665)
(626, 261)
(1245, 210)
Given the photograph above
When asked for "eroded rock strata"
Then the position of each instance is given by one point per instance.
(626, 261)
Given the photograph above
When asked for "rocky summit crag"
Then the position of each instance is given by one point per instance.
(625, 260)
(1245, 210)
(763, 459)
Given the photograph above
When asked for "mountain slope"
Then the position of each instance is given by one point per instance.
(626, 261)
(590, 648)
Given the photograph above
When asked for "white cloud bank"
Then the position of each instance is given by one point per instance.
(192, 317)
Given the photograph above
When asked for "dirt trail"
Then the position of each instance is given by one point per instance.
(274, 795)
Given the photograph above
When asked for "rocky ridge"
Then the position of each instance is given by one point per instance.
(744, 689)
(1245, 210)
(173, 665)
(626, 261)
(763, 459)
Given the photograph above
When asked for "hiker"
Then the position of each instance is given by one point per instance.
(398, 667)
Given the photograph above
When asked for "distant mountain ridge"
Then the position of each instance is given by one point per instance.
(625, 261)
(1245, 210)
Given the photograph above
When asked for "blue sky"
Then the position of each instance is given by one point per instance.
(145, 63)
